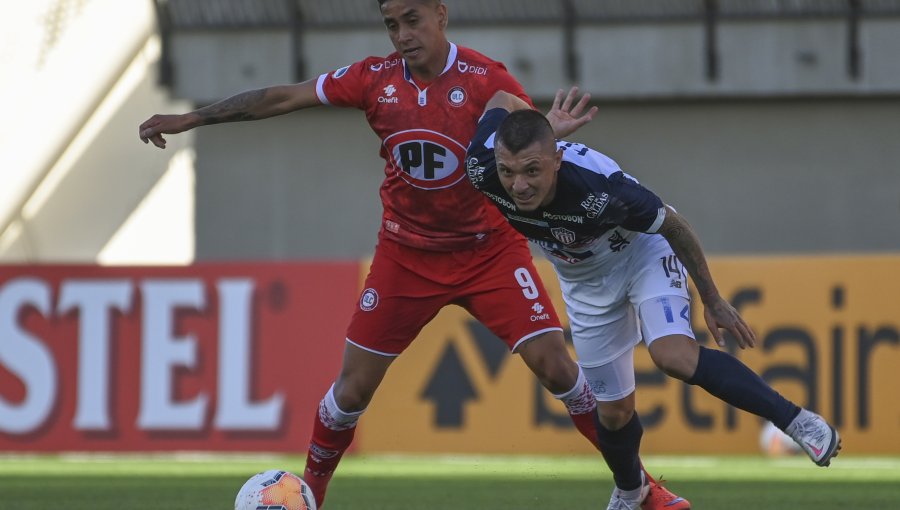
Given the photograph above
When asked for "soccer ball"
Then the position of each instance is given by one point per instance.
(775, 443)
(275, 490)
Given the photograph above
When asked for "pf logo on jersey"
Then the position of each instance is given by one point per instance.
(426, 159)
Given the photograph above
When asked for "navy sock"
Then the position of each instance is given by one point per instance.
(724, 376)
(620, 449)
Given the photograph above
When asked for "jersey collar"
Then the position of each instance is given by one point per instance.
(451, 58)
(422, 99)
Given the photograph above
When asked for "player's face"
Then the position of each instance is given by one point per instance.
(529, 176)
(416, 28)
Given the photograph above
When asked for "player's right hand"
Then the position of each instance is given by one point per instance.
(566, 116)
(721, 315)
(152, 129)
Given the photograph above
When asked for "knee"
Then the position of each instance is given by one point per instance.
(352, 395)
(615, 415)
(550, 362)
(557, 374)
(676, 356)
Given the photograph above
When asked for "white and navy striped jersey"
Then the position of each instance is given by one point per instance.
(597, 211)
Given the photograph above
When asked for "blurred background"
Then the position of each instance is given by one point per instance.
(772, 125)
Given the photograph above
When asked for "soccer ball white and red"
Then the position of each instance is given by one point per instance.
(775, 443)
(275, 490)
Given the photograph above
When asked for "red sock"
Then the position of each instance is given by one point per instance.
(586, 423)
(582, 408)
(326, 447)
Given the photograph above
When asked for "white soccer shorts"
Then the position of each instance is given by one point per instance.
(641, 295)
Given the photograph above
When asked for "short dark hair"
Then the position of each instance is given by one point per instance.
(522, 128)
(381, 2)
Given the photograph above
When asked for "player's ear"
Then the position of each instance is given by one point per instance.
(442, 15)
(557, 159)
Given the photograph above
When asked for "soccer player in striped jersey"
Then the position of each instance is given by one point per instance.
(622, 257)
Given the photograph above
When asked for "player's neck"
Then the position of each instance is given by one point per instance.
(425, 74)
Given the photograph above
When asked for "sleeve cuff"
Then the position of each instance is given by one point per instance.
(660, 217)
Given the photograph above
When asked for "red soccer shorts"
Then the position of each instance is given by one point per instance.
(406, 288)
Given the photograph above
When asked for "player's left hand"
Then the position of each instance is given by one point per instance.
(721, 315)
(566, 115)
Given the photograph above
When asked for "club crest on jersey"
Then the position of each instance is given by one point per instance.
(369, 300)
(563, 235)
(457, 96)
(426, 159)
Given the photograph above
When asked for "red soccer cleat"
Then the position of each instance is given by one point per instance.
(661, 498)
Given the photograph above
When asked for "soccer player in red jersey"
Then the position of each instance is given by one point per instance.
(440, 241)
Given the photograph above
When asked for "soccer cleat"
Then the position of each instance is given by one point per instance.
(817, 438)
(629, 500)
(661, 498)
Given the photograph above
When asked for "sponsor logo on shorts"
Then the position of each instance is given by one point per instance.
(598, 387)
(369, 300)
(537, 308)
(617, 243)
(457, 96)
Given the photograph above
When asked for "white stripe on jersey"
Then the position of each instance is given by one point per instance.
(320, 89)
(589, 159)
(659, 221)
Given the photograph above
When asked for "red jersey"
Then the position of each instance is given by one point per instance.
(425, 130)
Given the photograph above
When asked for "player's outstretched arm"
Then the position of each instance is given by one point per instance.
(249, 105)
(565, 116)
(718, 312)
(506, 101)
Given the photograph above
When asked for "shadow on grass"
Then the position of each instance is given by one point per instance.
(432, 493)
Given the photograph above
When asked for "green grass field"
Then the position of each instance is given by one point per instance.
(194, 482)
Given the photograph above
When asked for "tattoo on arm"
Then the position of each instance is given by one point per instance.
(686, 245)
(233, 109)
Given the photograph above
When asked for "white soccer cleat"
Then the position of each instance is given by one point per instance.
(817, 438)
(629, 500)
